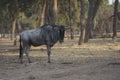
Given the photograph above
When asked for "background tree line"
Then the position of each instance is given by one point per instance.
(90, 17)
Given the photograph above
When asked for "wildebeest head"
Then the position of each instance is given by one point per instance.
(62, 32)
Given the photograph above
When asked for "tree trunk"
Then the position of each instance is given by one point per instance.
(55, 11)
(89, 21)
(93, 7)
(71, 21)
(18, 25)
(13, 29)
(115, 19)
(42, 16)
(82, 22)
(14, 21)
(50, 14)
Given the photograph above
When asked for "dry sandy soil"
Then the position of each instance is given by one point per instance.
(97, 60)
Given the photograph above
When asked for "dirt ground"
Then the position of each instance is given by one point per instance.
(97, 60)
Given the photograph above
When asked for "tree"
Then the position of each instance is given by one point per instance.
(93, 7)
(115, 19)
(82, 22)
(13, 8)
(55, 11)
(87, 25)
(42, 16)
(71, 18)
(51, 12)
(103, 19)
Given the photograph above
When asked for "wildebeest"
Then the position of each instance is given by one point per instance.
(46, 35)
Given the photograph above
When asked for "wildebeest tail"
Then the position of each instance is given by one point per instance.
(20, 48)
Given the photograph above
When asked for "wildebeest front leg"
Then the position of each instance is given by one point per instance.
(48, 52)
(27, 53)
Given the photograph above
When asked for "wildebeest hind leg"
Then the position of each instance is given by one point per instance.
(21, 56)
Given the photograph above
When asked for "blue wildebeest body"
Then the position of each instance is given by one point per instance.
(46, 35)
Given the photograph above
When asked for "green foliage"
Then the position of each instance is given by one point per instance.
(29, 11)
(63, 12)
